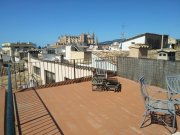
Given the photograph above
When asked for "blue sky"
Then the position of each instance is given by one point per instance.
(42, 21)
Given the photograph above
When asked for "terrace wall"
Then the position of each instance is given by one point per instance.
(61, 71)
(109, 63)
(154, 71)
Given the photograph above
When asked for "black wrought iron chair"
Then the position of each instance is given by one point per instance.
(154, 107)
(98, 82)
(101, 69)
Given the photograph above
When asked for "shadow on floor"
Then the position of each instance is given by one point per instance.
(161, 119)
(33, 117)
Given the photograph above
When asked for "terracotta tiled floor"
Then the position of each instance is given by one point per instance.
(34, 117)
(2, 110)
(80, 111)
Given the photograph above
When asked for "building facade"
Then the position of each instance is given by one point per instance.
(177, 46)
(154, 41)
(12, 48)
(167, 54)
(138, 51)
(83, 39)
(49, 72)
(64, 52)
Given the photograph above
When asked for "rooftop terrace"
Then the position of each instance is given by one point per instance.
(75, 109)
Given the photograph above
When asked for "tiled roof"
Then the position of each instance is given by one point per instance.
(56, 46)
(167, 50)
(139, 46)
(34, 50)
(110, 55)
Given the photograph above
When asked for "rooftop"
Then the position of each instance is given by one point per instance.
(75, 109)
(141, 35)
(103, 54)
(167, 50)
(110, 56)
(137, 46)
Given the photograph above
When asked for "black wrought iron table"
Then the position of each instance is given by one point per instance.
(113, 84)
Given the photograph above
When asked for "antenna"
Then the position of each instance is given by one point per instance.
(122, 36)
(97, 40)
(122, 31)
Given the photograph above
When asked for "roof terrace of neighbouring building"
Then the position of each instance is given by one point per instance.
(110, 56)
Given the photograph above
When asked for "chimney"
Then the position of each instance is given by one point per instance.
(162, 42)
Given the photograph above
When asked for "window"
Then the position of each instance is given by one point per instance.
(164, 54)
(171, 54)
(51, 51)
(160, 54)
(37, 70)
(50, 77)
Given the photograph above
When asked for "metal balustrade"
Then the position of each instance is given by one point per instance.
(18, 76)
(41, 72)
(10, 120)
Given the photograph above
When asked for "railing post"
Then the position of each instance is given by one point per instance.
(74, 69)
(15, 76)
(10, 123)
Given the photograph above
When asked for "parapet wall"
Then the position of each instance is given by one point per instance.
(154, 71)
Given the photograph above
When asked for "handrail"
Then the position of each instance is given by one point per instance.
(10, 121)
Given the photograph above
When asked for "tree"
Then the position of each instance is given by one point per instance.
(39, 47)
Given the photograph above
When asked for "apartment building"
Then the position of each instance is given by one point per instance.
(154, 41)
(64, 52)
(177, 46)
(12, 48)
(83, 39)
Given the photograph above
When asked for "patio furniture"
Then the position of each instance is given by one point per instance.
(112, 83)
(101, 69)
(173, 86)
(157, 107)
(98, 82)
(100, 75)
(101, 72)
